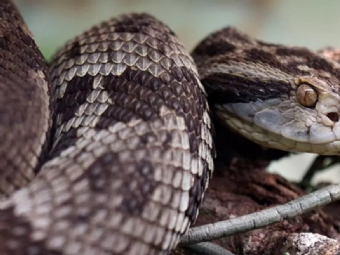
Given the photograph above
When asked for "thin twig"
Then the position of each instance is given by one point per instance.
(207, 248)
(320, 163)
(262, 218)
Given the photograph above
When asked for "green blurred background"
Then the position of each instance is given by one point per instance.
(311, 23)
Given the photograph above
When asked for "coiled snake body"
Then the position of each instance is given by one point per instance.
(131, 150)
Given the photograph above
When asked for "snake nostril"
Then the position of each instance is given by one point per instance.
(333, 116)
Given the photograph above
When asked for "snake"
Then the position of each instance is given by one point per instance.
(109, 148)
(280, 97)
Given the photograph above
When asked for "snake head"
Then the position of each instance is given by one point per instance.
(280, 97)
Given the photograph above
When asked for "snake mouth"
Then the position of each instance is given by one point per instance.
(289, 131)
(272, 140)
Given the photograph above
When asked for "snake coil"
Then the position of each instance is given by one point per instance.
(132, 148)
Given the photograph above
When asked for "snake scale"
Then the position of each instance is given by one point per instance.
(132, 145)
(118, 135)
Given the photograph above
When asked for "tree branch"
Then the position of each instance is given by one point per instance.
(262, 218)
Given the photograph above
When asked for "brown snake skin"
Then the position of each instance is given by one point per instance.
(132, 150)
(111, 150)
(25, 112)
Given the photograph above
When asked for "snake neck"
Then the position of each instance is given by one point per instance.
(236, 152)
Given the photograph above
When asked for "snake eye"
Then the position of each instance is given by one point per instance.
(306, 95)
